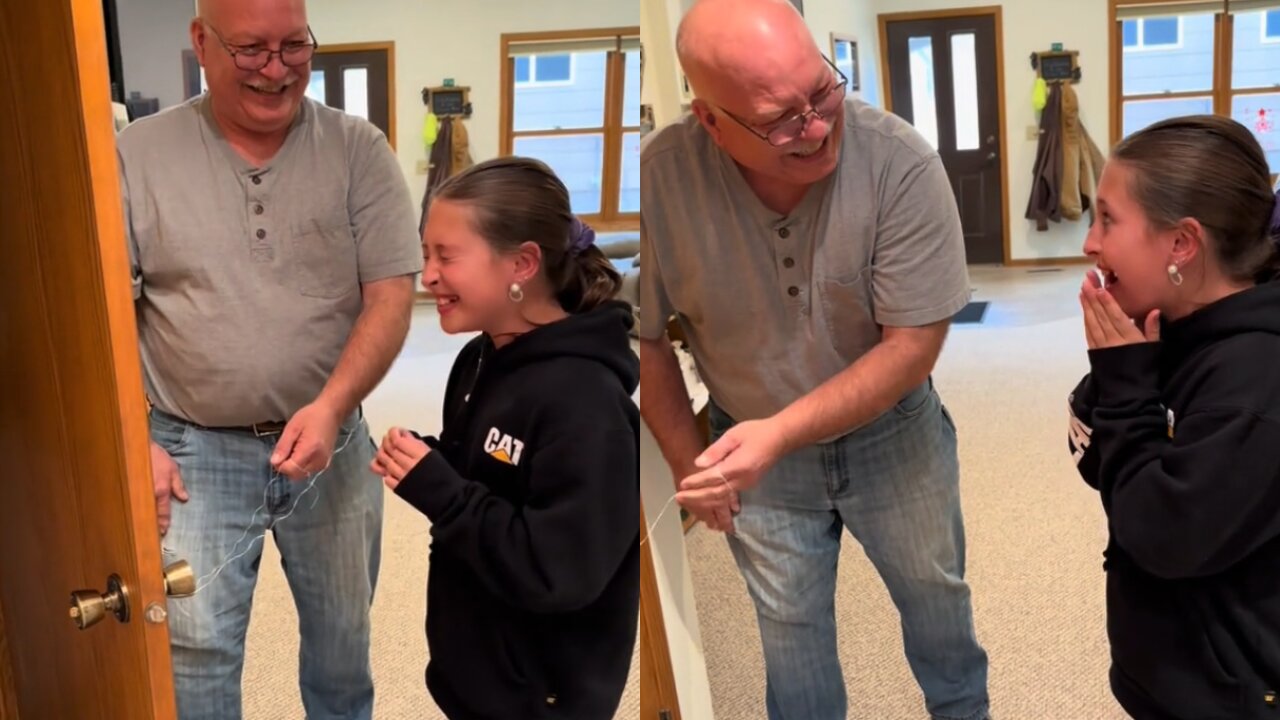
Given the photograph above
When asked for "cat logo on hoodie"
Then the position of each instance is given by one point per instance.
(503, 448)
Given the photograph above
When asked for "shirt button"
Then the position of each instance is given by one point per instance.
(788, 263)
(257, 179)
(784, 233)
(793, 291)
(261, 233)
(257, 209)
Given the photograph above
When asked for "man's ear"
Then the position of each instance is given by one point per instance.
(707, 118)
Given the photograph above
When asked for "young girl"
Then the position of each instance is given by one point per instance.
(532, 488)
(1178, 424)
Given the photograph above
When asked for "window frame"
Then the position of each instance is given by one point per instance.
(1143, 46)
(534, 82)
(1222, 92)
(613, 129)
(1269, 39)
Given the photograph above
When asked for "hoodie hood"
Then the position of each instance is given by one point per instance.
(1256, 309)
(601, 335)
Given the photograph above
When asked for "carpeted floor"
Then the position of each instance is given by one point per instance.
(1035, 535)
(409, 397)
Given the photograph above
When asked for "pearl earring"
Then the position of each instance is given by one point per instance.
(516, 293)
(1175, 277)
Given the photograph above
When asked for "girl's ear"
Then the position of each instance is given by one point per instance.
(1188, 241)
(528, 261)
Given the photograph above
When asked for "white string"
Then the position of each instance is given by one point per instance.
(207, 579)
(667, 506)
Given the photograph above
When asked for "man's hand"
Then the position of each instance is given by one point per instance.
(306, 445)
(167, 483)
(400, 453)
(735, 462)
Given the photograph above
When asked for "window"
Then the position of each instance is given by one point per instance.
(572, 100)
(544, 70)
(1271, 26)
(1185, 77)
(1153, 33)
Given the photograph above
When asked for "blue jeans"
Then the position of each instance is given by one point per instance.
(895, 485)
(330, 548)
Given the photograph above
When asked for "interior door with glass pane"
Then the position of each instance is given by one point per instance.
(942, 79)
(355, 82)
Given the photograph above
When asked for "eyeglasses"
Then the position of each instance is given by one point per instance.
(790, 129)
(256, 57)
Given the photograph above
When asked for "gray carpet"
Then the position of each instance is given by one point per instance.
(1035, 537)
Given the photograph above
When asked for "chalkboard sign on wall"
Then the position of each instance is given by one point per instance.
(448, 101)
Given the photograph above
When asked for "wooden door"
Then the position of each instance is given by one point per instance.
(75, 497)
(658, 699)
(943, 78)
(357, 81)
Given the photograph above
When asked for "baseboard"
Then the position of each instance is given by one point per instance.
(1040, 262)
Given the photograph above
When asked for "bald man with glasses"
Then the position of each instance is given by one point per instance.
(273, 245)
(810, 246)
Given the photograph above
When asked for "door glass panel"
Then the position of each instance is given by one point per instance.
(1261, 114)
(564, 92)
(1141, 113)
(964, 81)
(315, 87)
(1255, 53)
(355, 91)
(579, 162)
(924, 108)
(629, 198)
(844, 62)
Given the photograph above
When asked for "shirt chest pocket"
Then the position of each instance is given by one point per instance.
(323, 258)
(849, 310)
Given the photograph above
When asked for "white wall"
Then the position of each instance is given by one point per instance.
(436, 39)
(858, 19)
(1030, 26)
(153, 34)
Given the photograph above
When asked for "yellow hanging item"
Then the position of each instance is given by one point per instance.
(430, 129)
(1040, 94)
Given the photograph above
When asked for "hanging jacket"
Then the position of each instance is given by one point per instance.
(1081, 160)
(533, 491)
(1044, 204)
(1182, 440)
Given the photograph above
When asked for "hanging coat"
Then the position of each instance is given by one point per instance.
(1045, 203)
(1081, 161)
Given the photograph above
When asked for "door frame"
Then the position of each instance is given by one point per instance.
(389, 47)
(655, 652)
(996, 12)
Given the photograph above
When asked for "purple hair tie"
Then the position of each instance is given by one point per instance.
(581, 237)
(1275, 217)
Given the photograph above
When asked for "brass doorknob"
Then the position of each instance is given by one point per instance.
(180, 579)
(89, 607)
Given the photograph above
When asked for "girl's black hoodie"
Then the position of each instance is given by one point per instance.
(1182, 438)
(533, 495)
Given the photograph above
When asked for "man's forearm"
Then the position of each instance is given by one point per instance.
(376, 339)
(664, 405)
(864, 390)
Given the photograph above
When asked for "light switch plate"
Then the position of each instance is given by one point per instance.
(423, 167)
(1033, 132)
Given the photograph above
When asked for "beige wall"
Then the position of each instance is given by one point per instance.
(1029, 26)
(436, 39)
(850, 17)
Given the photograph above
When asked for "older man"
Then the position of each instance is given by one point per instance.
(811, 248)
(274, 250)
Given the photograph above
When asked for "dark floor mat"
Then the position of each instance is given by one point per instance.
(973, 313)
